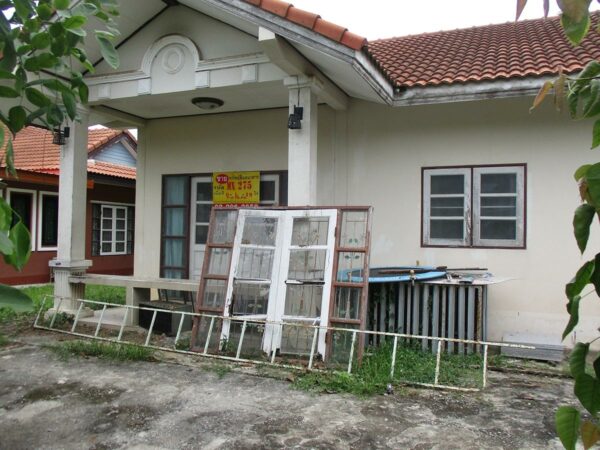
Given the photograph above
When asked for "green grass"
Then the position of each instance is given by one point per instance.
(219, 369)
(3, 340)
(412, 365)
(103, 350)
(109, 294)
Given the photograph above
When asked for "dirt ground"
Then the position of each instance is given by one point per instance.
(180, 403)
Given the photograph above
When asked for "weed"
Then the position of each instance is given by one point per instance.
(218, 369)
(105, 350)
(3, 340)
(412, 365)
(183, 343)
(109, 294)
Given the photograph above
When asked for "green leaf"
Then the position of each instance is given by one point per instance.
(37, 98)
(8, 92)
(573, 310)
(70, 104)
(590, 434)
(596, 135)
(15, 299)
(78, 32)
(6, 246)
(61, 4)
(587, 390)
(55, 116)
(575, 30)
(595, 278)
(577, 359)
(17, 117)
(108, 52)
(592, 106)
(567, 421)
(582, 220)
(581, 171)
(592, 178)
(581, 279)
(74, 22)
(84, 93)
(10, 158)
(44, 11)
(23, 8)
(41, 40)
(21, 239)
(597, 367)
(85, 9)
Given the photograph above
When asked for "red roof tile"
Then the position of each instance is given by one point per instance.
(35, 152)
(510, 50)
(311, 21)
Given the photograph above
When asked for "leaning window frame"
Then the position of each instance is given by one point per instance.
(40, 200)
(426, 240)
(519, 242)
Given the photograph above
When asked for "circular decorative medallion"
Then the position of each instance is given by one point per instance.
(173, 59)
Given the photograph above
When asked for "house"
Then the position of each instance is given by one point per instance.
(432, 130)
(111, 160)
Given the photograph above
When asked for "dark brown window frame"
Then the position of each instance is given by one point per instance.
(471, 167)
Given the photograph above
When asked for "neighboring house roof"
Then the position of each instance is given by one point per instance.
(521, 49)
(35, 152)
(311, 21)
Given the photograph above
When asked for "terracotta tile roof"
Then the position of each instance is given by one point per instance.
(35, 152)
(311, 21)
(510, 50)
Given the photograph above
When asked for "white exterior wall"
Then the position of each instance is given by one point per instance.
(373, 155)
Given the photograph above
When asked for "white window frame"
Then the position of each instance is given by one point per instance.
(34, 217)
(114, 207)
(519, 171)
(41, 195)
(427, 174)
(472, 219)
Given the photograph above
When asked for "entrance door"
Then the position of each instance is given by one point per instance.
(282, 263)
(201, 203)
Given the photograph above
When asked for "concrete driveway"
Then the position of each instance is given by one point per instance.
(89, 403)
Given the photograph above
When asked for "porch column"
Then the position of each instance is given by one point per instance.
(302, 143)
(72, 190)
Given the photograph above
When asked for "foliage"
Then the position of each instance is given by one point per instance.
(3, 340)
(41, 80)
(582, 95)
(413, 365)
(14, 299)
(104, 350)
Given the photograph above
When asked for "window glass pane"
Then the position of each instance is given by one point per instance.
(21, 204)
(499, 229)
(201, 234)
(267, 191)
(175, 188)
(354, 229)
(350, 265)
(173, 273)
(296, 340)
(120, 236)
(347, 303)
(307, 265)
(107, 212)
(121, 213)
(447, 207)
(303, 300)
(250, 298)
(224, 226)
(204, 192)
(259, 231)
(174, 221)
(447, 184)
(310, 231)
(498, 183)
(255, 263)
(218, 262)
(107, 236)
(173, 253)
(214, 293)
(203, 212)
(499, 206)
(120, 247)
(49, 220)
(106, 248)
(342, 343)
(446, 229)
(120, 224)
(107, 224)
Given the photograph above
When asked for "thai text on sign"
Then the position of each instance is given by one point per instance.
(239, 188)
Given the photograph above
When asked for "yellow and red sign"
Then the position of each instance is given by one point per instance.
(236, 188)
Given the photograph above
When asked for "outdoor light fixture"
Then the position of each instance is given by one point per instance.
(208, 103)
(295, 119)
(60, 136)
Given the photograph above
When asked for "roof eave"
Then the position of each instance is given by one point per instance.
(471, 91)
